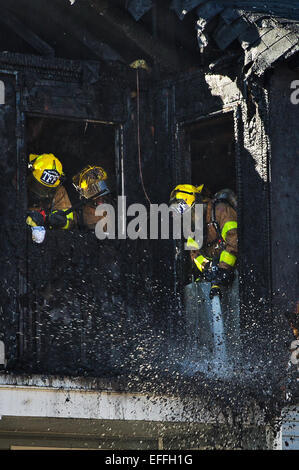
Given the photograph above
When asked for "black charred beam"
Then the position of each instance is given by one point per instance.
(138, 9)
(100, 49)
(277, 8)
(65, 20)
(227, 33)
(158, 52)
(25, 33)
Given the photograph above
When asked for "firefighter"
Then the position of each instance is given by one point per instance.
(90, 182)
(215, 261)
(48, 200)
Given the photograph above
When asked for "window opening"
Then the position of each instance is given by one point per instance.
(67, 277)
(77, 144)
(211, 156)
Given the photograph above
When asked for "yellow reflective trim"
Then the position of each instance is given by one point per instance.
(30, 222)
(200, 262)
(228, 226)
(192, 243)
(228, 258)
(69, 216)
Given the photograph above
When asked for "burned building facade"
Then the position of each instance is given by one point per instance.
(213, 100)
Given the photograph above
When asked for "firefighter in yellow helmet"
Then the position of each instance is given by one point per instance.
(216, 259)
(48, 200)
(91, 184)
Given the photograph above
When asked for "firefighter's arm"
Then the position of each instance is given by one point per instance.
(227, 219)
(36, 217)
(61, 203)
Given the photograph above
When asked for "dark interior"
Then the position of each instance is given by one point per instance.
(76, 144)
(69, 265)
(212, 153)
(212, 158)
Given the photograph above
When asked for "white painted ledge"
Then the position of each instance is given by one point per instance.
(54, 397)
(55, 403)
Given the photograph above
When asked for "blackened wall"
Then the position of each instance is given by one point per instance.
(119, 306)
(10, 211)
(284, 116)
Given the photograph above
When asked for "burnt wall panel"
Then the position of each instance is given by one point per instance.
(165, 169)
(194, 98)
(202, 93)
(167, 172)
(55, 98)
(11, 244)
(284, 117)
(254, 230)
(147, 174)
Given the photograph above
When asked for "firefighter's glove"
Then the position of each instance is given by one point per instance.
(35, 219)
(57, 219)
(207, 273)
(204, 276)
(203, 272)
(222, 277)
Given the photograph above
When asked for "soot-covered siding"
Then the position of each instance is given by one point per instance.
(11, 203)
(284, 115)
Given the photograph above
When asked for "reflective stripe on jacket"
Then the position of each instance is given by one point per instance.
(224, 247)
(61, 201)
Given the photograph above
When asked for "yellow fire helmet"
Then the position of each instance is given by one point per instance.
(90, 182)
(46, 169)
(183, 197)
